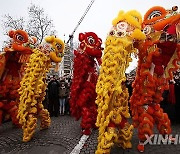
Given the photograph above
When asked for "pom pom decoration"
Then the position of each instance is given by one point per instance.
(83, 95)
(112, 94)
(158, 56)
(13, 61)
(32, 90)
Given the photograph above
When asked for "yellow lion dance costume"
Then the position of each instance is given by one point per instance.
(112, 94)
(33, 86)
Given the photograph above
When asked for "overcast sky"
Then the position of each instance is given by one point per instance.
(66, 13)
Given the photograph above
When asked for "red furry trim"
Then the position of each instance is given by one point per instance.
(89, 115)
(87, 95)
(81, 90)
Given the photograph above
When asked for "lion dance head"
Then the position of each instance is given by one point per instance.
(54, 47)
(21, 41)
(90, 43)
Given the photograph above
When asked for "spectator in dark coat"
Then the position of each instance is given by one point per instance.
(53, 91)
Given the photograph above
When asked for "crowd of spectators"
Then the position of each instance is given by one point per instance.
(57, 96)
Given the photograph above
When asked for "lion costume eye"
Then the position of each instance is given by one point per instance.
(147, 30)
(112, 32)
(121, 34)
(19, 37)
(91, 40)
(58, 46)
(176, 77)
(155, 13)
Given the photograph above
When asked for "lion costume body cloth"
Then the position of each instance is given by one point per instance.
(33, 86)
(158, 56)
(83, 95)
(112, 94)
(13, 61)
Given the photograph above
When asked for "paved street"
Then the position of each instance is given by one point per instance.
(63, 135)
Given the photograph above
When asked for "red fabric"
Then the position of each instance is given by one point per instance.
(81, 90)
(1, 104)
(168, 48)
(171, 95)
(111, 124)
(123, 122)
(172, 29)
(159, 70)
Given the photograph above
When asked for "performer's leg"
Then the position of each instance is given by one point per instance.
(146, 124)
(29, 127)
(56, 107)
(12, 109)
(60, 106)
(106, 140)
(162, 120)
(63, 109)
(125, 134)
(86, 122)
(51, 107)
(44, 115)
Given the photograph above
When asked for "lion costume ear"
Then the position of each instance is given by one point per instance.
(81, 37)
(50, 39)
(118, 18)
(11, 33)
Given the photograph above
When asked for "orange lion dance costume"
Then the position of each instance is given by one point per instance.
(12, 64)
(112, 94)
(158, 56)
(83, 95)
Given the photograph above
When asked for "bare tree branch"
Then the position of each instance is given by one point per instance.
(9, 22)
(39, 24)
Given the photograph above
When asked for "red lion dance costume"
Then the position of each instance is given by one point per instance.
(83, 95)
(158, 56)
(12, 64)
